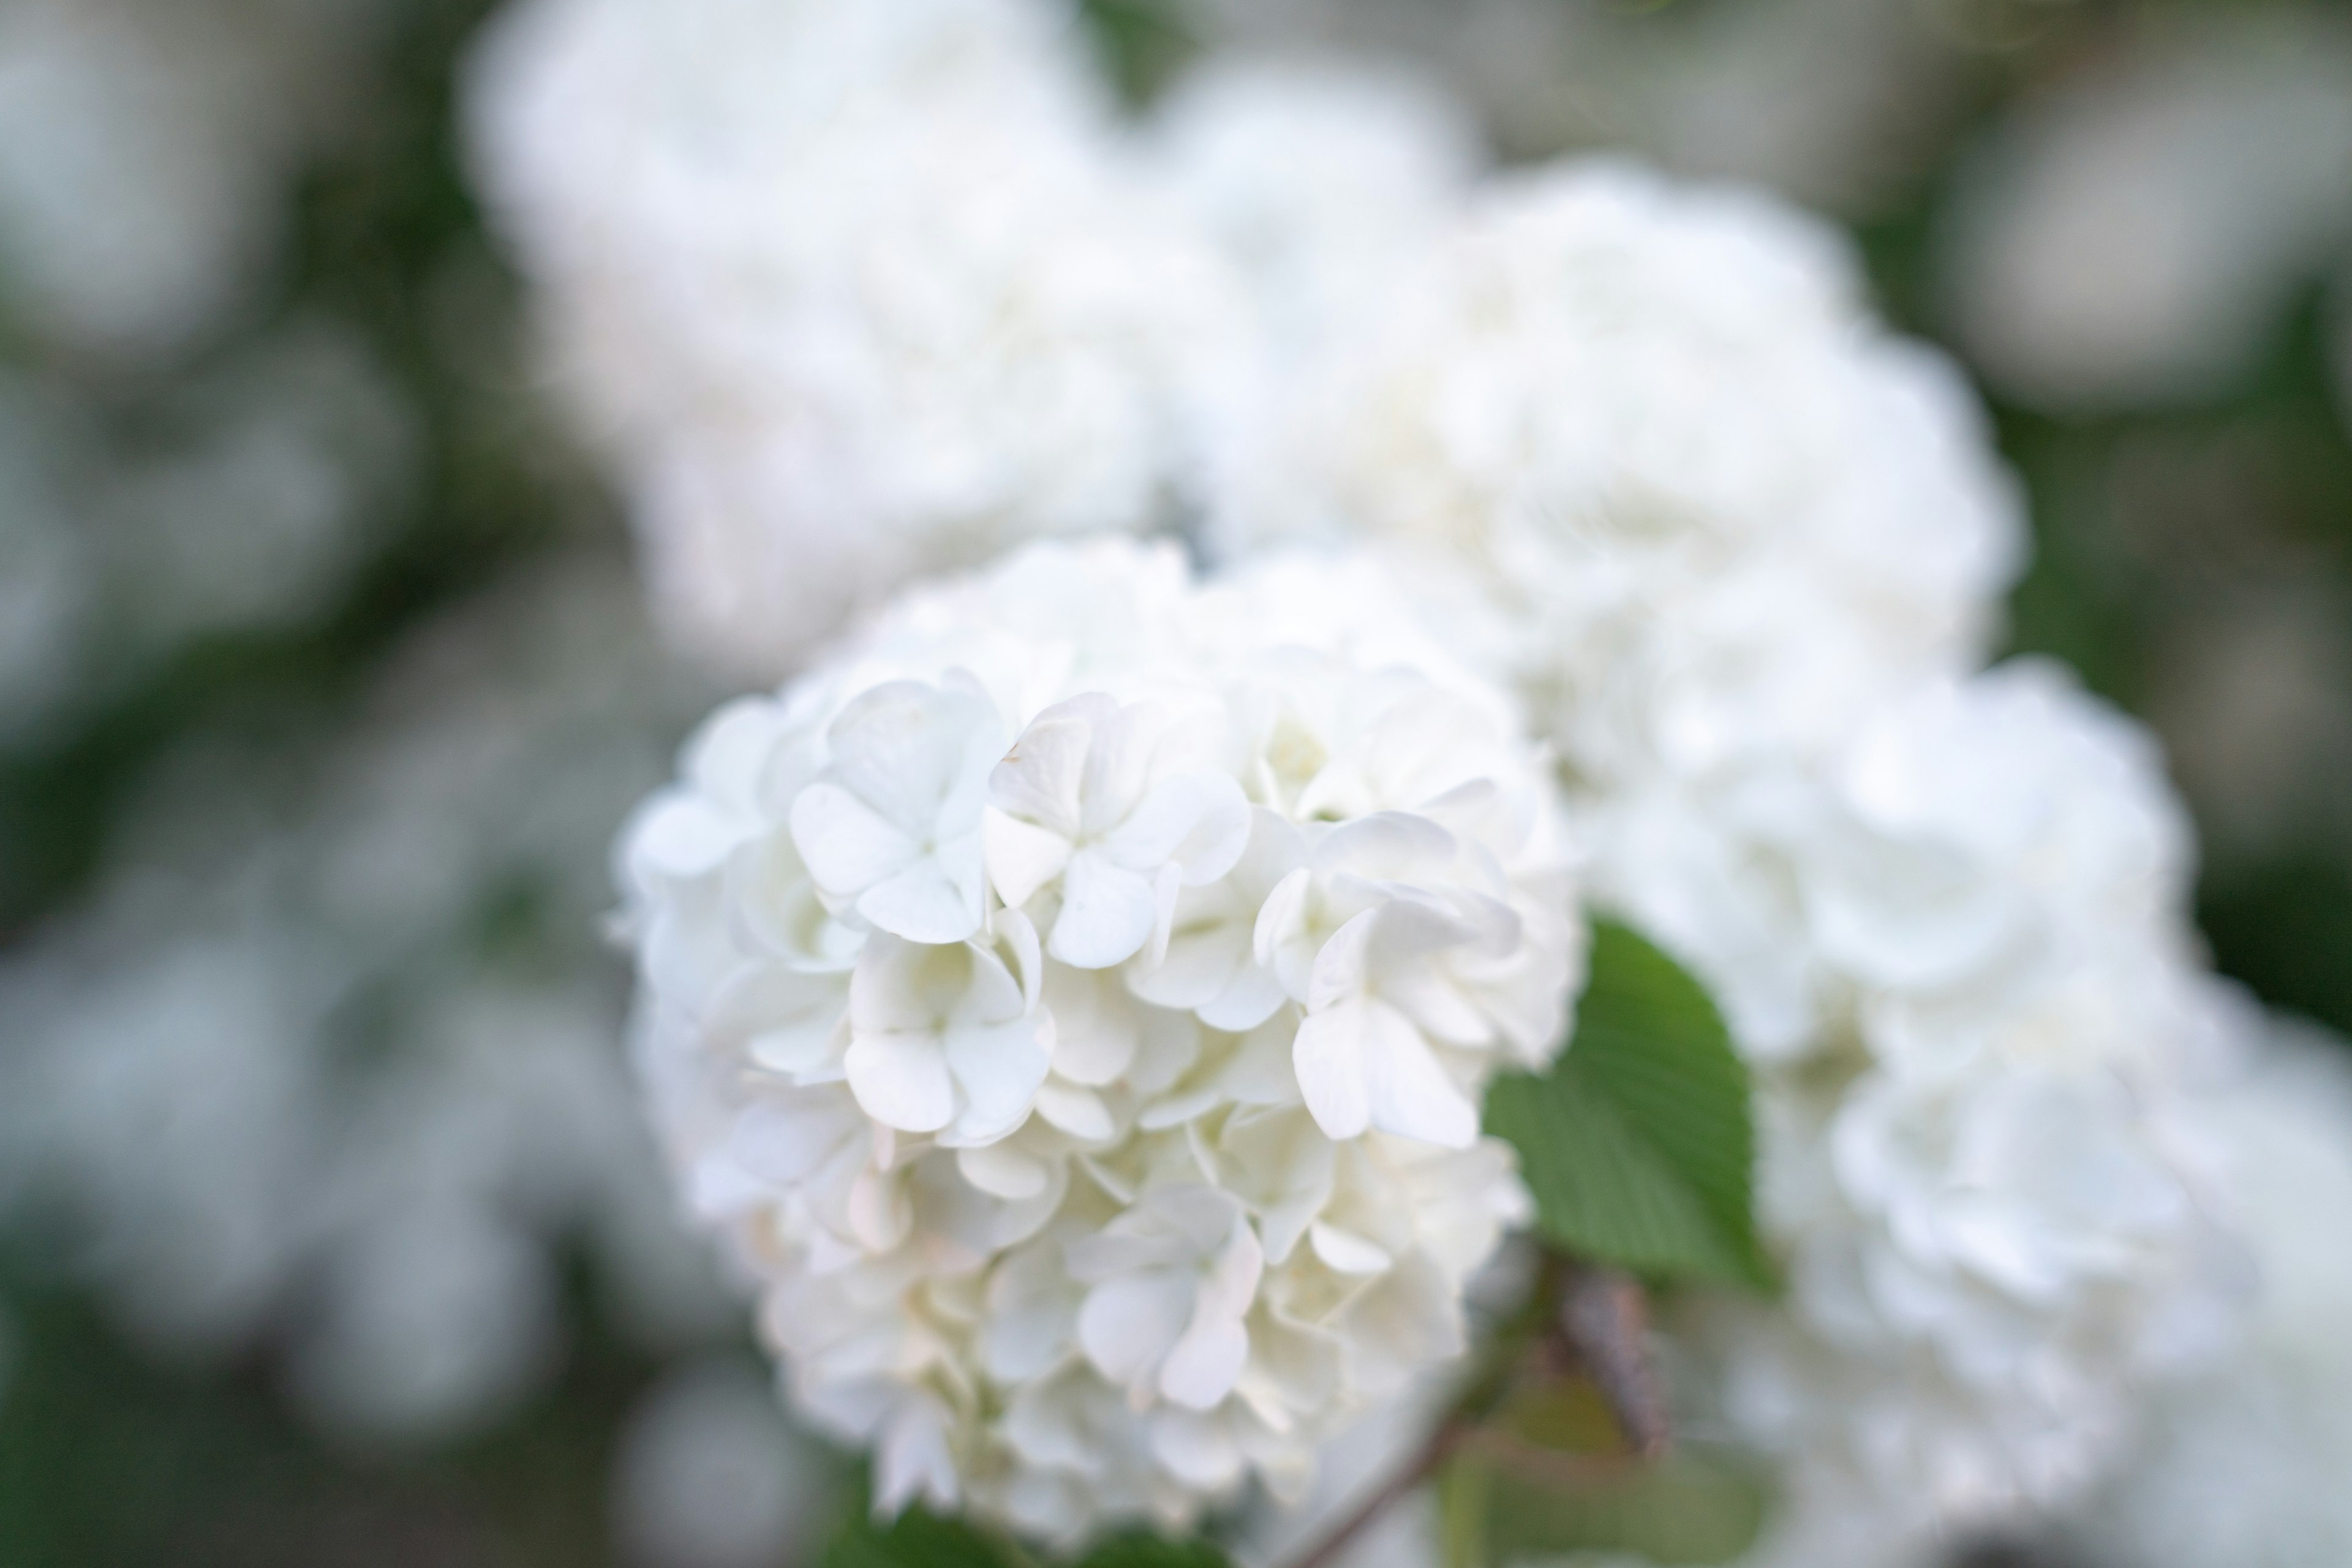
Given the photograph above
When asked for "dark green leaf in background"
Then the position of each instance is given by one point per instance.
(916, 1539)
(1154, 1551)
(1639, 1146)
(920, 1539)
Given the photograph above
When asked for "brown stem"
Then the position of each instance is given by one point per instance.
(1413, 1473)
(1606, 1315)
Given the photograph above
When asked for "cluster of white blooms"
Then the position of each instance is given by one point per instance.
(1715, 510)
(2138, 235)
(1375, 164)
(239, 498)
(2245, 1465)
(328, 1060)
(849, 291)
(1978, 1019)
(1074, 999)
(147, 153)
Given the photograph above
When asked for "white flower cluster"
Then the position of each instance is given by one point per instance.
(2136, 238)
(850, 291)
(1374, 166)
(148, 151)
(2245, 1464)
(1074, 999)
(1715, 510)
(1736, 550)
(327, 1063)
(1969, 933)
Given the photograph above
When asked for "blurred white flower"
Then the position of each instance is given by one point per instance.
(1140, 1174)
(709, 1475)
(267, 493)
(241, 498)
(1373, 165)
(1714, 512)
(147, 155)
(328, 1060)
(2135, 235)
(2245, 1465)
(1980, 1156)
(847, 292)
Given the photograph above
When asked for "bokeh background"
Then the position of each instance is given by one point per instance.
(328, 1233)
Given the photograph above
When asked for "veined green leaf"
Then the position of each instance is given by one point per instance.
(1639, 1146)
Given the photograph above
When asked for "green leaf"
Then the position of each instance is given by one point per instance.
(916, 1539)
(1683, 1511)
(919, 1539)
(1154, 1551)
(1639, 1144)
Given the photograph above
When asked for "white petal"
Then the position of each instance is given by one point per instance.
(1096, 1027)
(894, 989)
(904, 749)
(783, 1138)
(1128, 1324)
(1411, 1095)
(1255, 996)
(933, 900)
(678, 835)
(846, 844)
(1022, 856)
(999, 1070)
(1197, 1451)
(1282, 916)
(1196, 968)
(1204, 1365)
(902, 1080)
(1329, 1057)
(1076, 1112)
(1343, 964)
(1200, 820)
(1025, 1338)
(1004, 1171)
(1039, 778)
(1106, 916)
(1347, 1252)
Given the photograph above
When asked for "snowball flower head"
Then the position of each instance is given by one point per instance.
(1373, 165)
(848, 292)
(2245, 1463)
(1981, 1157)
(1717, 511)
(1074, 998)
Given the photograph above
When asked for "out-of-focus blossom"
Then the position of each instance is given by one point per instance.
(1074, 997)
(711, 1476)
(1374, 164)
(2245, 1465)
(1981, 1157)
(242, 498)
(847, 292)
(147, 152)
(1713, 509)
(331, 1053)
(2135, 235)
